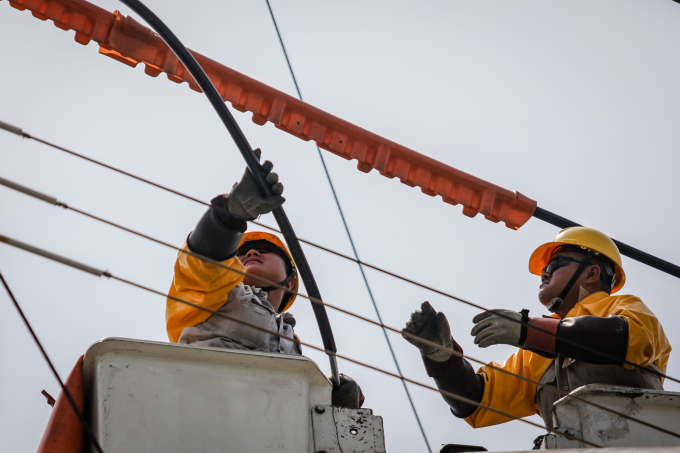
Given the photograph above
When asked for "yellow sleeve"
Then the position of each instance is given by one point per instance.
(201, 283)
(508, 393)
(647, 342)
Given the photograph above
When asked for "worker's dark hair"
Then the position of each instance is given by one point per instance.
(607, 266)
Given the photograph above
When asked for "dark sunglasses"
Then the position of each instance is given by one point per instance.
(244, 252)
(558, 262)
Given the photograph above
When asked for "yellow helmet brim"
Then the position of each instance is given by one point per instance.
(587, 238)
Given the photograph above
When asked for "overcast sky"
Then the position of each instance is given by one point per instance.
(575, 104)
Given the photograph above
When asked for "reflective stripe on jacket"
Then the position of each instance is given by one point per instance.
(647, 345)
(221, 290)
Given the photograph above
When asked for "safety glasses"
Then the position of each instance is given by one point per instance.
(558, 262)
(244, 251)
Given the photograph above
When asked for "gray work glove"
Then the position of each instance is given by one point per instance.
(490, 328)
(247, 201)
(347, 394)
(429, 325)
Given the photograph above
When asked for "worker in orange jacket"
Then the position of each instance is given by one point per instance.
(220, 235)
(595, 336)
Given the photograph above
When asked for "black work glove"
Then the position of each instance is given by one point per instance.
(429, 325)
(246, 200)
(347, 394)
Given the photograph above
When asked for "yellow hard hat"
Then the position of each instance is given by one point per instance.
(586, 238)
(288, 298)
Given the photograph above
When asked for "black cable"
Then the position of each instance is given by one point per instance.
(625, 249)
(64, 390)
(252, 161)
(351, 241)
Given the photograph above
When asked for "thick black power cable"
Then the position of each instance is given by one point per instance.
(94, 271)
(107, 274)
(351, 241)
(20, 132)
(65, 391)
(625, 249)
(253, 164)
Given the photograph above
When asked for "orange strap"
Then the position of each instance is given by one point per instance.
(122, 38)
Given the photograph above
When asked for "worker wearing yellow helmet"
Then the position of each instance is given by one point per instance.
(592, 337)
(256, 298)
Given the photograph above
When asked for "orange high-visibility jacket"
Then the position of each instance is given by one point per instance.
(647, 345)
(201, 283)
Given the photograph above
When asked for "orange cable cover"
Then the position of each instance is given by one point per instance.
(124, 39)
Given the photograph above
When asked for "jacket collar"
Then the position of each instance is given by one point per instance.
(590, 299)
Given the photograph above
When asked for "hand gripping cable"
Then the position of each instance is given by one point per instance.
(254, 166)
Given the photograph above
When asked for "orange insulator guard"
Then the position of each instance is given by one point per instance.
(124, 39)
(64, 432)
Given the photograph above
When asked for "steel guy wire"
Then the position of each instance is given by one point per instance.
(351, 240)
(100, 273)
(65, 391)
(20, 132)
(95, 271)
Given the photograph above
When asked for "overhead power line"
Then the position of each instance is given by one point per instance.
(442, 293)
(107, 274)
(351, 242)
(99, 273)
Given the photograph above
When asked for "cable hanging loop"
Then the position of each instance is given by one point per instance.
(253, 164)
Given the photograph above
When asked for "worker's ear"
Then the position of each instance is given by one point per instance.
(592, 274)
(290, 284)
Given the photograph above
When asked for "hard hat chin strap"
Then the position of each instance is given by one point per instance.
(557, 302)
(283, 283)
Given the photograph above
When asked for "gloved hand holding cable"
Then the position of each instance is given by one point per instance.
(218, 233)
(347, 394)
(246, 200)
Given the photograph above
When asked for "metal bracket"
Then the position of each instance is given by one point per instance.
(345, 430)
(554, 441)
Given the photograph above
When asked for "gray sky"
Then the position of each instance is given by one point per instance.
(573, 103)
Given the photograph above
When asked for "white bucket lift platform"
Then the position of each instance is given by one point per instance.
(159, 397)
(601, 427)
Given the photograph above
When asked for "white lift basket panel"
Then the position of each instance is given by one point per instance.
(579, 419)
(160, 397)
(345, 430)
